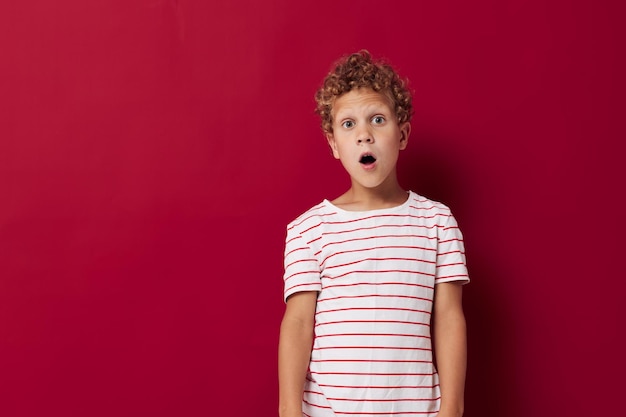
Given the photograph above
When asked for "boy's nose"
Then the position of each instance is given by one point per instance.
(365, 139)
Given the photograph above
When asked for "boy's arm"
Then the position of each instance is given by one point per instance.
(294, 351)
(450, 347)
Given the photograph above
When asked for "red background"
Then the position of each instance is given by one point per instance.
(152, 152)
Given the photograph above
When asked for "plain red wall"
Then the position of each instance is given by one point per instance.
(152, 152)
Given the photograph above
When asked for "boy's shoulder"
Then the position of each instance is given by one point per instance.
(310, 217)
(421, 203)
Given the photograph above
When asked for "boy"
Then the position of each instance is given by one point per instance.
(368, 275)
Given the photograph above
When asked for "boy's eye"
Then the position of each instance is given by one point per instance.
(348, 124)
(378, 120)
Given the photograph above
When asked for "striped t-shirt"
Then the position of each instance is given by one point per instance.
(375, 272)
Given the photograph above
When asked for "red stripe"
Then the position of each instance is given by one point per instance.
(404, 216)
(425, 208)
(375, 296)
(434, 413)
(293, 238)
(295, 250)
(309, 214)
(394, 400)
(301, 285)
(373, 308)
(379, 283)
(381, 271)
(316, 405)
(454, 264)
(356, 239)
(370, 249)
(373, 334)
(369, 360)
(450, 253)
(374, 347)
(300, 273)
(381, 259)
(382, 226)
(314, 240)
(372, 321)
(300, 260)
(379, 386)
(450, 240)
(374, 373)
(452, 276)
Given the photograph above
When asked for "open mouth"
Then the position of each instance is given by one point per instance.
(367, 159)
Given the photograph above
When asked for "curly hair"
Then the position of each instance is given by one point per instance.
(359, 70)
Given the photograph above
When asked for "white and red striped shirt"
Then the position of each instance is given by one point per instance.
(375, 272)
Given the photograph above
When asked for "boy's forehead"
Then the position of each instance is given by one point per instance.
(360, 98)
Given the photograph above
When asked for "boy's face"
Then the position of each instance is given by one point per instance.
(366, 137)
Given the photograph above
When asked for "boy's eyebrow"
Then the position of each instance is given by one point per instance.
(369, 109)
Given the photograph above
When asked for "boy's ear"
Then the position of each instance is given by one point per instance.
(333, 145)
(405, 131)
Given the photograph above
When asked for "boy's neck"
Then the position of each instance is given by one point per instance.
(363, 199)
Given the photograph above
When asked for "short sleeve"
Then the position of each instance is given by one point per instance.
(451, 265)
(302, 270)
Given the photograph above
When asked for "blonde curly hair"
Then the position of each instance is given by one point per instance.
(359, 70)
